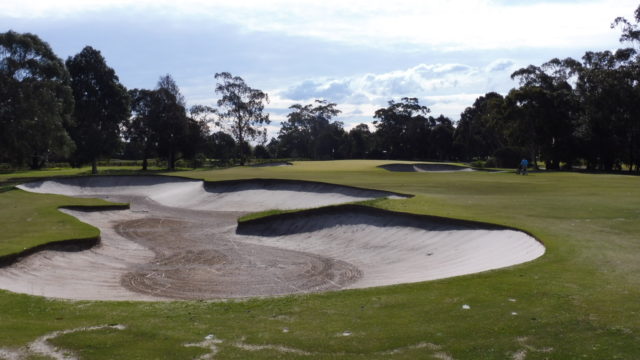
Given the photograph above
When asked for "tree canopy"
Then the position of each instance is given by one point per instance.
(309, 131)
(102, 104)
(403, 127)
(36, 101)
(241, 109)
(565, 112)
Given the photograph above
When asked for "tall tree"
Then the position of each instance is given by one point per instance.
(195, 141)
(441, 138)
(631, 71)
(160, 125)
(36, 101)
(630, 31)
(403, 129)
(166, 82)
(309, 131)
(221, 146)
(479, 132)
(102, 105)
(169, 121)
(608, 89)
(273, 147)
(546, 112)
(360, 141)
(139, 128)
(241, 109)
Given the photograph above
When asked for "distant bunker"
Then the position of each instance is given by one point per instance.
(424, 167)
(272, 164)
(180, 239)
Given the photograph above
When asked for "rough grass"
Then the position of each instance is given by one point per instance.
(580, 300)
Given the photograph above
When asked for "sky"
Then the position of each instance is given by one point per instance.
(359, 53)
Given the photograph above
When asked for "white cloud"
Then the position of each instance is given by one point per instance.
(445, 88)
(436, 24)
(401, 32)
(501, 65)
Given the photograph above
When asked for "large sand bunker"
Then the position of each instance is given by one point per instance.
(423, 167)
(180, 240)
(242, 195)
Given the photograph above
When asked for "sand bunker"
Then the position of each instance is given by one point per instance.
(243, 195)
(271, 164)
(180, 240)
(424, 167)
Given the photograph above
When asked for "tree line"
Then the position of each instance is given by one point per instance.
(564, 112)
(78, 111)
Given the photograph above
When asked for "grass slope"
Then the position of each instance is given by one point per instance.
(578, 301)
(29, 220)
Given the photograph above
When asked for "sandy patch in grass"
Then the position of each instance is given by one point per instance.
(42, 347)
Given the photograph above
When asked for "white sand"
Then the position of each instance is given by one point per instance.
(272, 164)
(392, 250)
(249, 196)
(92, 274)
(422, 167)
(385, 248)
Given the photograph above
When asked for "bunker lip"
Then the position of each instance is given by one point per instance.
(251, 226)
(98, 185)
(165, 249)
(269, 164)
(424, 167)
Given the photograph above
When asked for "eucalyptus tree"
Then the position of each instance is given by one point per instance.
(480, 132)
(102, 105)
(441, 138)
(36, 101)
(403, 128)
(546, 112)
(631, 69)
(169, 84)
(221, 146)
(630, 31)
(309, 131)
(361, 141)
(169, 122)
(139, 129)
(241, 109)
(608, 89)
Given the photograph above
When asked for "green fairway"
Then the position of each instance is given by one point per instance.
(578, 301)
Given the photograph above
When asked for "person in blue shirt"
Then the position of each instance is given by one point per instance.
(524, 164)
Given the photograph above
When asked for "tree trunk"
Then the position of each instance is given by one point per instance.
(94, 167)
(35, 162)
(145, 164)
(171, 165)
(631, 157)
(240, 144)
